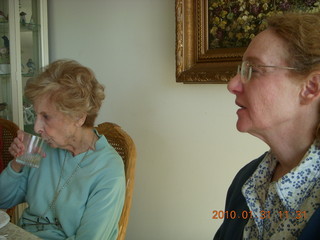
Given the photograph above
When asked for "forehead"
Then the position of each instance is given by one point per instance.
(44, 105)
(268, 48)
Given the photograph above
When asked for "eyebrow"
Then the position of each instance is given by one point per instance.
(40, 113)
(254, 60)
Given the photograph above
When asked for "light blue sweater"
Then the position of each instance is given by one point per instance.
(88, 207)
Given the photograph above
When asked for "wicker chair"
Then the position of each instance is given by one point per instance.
(125, 146)
(8, 131)
(117, 138)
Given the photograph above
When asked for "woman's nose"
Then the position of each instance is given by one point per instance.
(235, 85)
(38, 126)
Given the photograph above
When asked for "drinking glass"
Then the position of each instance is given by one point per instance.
(34, 149)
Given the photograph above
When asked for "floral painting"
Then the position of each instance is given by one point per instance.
(233, 23)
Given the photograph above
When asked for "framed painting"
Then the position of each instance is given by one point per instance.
(212, 35)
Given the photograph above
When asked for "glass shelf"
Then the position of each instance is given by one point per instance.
(23, 75)
(28, 27)
(24, 23)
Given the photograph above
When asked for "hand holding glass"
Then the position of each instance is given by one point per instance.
(33, 151)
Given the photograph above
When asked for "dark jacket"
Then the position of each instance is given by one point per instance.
(232, 229)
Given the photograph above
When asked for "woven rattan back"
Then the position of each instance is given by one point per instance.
(8, 132)
(125, 146)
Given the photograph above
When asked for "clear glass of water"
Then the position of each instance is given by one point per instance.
(34, 149)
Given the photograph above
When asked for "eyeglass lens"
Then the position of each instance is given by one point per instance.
(245, 70)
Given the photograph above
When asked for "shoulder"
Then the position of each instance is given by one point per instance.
(233, 228)
(103, 148)
(245, 172)
(234, 192)
(105, 159)
(312, 229)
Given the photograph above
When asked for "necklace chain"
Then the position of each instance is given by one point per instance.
(66, 183)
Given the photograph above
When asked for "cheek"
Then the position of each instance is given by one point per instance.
(261, 101)
(274, 107)
(57, 138)
(262, 108)
(56, 132)
(267, 95)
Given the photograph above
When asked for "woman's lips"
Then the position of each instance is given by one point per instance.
(240, 105)
(47, 140)
(241, 108)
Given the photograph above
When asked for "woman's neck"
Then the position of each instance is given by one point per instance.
(289, 155)
(83, 140)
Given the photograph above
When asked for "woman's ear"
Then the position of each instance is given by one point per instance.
(80, 120)
(311, 88)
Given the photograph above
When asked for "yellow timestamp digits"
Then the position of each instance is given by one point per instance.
(265, 214)
(294, 214)
(220, 214)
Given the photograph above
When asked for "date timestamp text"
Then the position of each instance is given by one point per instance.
(220, 214)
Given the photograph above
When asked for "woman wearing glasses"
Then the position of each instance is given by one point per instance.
(277, 89)
(78, 190)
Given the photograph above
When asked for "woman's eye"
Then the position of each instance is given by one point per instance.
(256, 69)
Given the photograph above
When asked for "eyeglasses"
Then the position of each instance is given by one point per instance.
(40, 223)
(245, 70)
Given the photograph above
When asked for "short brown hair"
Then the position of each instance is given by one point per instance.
(72, 88)
(301, 31)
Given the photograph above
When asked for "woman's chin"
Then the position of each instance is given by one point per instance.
(242, 127)
(51, 144)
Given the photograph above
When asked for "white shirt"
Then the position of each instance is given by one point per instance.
(281, 209)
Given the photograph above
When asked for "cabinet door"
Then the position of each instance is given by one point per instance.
(5, 67)
(23, 52)
(34, 48)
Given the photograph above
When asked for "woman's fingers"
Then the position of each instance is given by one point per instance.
(16, 148)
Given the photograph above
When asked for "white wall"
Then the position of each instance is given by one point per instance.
(188, 147)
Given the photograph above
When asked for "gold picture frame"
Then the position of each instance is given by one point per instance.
(196, 60)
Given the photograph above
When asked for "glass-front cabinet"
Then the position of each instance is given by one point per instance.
(23, 51)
